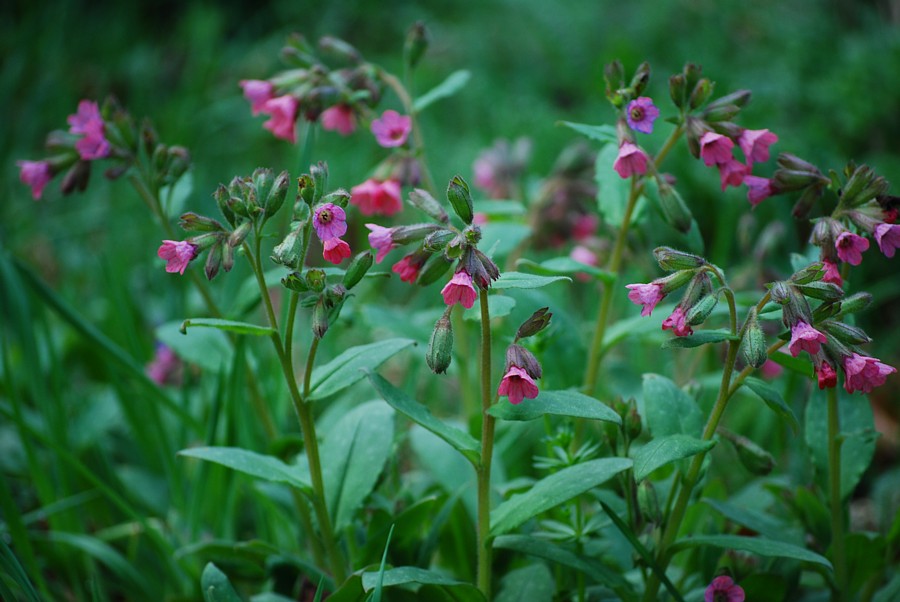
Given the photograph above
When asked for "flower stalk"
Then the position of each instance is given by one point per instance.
(487, 450)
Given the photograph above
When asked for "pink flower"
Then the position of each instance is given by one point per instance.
(582, 254)
(381, 239)
(758, 189)
(862, 373)
(258, 92)
(88, 113)
(374, 197)
(392, 129)
(805, 338)
(647, 295)
(888, 238)
(485, 173)
(677, 324)
(408, 268)
(732, 173)
(755, 144)
(826, 375)
(480, 219)
(715, 149)
(640, 114)
(178, 254)
(94, 145)
(771, 369)
(724, 589)
(832, 273)
(517, 385)
(330, 221)
(850, 247)
(339, 118)
(283, 116)
(460, 290)
(35, 174)
(335, 250)
(165, 369)
(585, 226)
(631, 160)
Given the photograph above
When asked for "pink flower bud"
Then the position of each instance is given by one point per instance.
(339, 118)
(258, 92)
(335, 250)
(632, 160)
(758, 189)
(677, 323)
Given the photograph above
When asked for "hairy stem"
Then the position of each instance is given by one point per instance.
(838, 551)
(487, 449)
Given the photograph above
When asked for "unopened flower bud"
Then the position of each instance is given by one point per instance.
(227, 257)
(806, 201)
(537, 322)
(339, 197)
(692, 74)
(422, 199)
(648, 502)
(516, 355)
(222, 196)
(320, 319)
(640, 79)
(76, 177)
(845, 333)
(753, 347)
(700, 93)
(298, 52)
(440, 347)
(434, 269)
(238, 237)
(855, 303)
(437, 240)
(455, 247)
(213, 261)
(472, 234)
(824, 291)
(671, 259)
(416, 44)
(340, 49)
(780, 292)
(179, 161)
(319, 173)
(701, 310)
(810, 273)
(674, 210)
(862, 186)
(358, 267)
(306, 187)
(699, 287)
(631, 422)
(149, 137)
(295, 282)
(192, 222)
(289, 250)
(614, 74)
(480, 267)
(460, 199)
(754, 458)
(403, 235)
(277, 194)
(678, 89)
(315, 280)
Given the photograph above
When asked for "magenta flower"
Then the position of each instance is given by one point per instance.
(640, 114)
(339, 118)
(582, 254)
(178, 254)
(832, 273)
(826, 375)
(517, 385)
(715, 149)
(863, 373)
(631, 160)
(585, 226)
(677, 323)
(805, 338)
(888, 238)
(258, 92)
(165, 369)
(335, 250)
(35, 174)
(758, 189)
(330, 221)
(374, 197)
(381, 239)
(283, 116)
(460, 290)
(732, 173)
(647, 295)
(88, 113)
(850, 247)
(755, 144)
(485, 173)
(392, 129)
(724, 589)
(94, 145)
(409, 267)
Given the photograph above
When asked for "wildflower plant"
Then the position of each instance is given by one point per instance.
(564, 466)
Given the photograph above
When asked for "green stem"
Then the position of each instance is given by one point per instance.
(838, 550)
(487, 450)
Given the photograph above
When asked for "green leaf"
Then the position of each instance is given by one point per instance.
(495, 208)
(634, 327)
(450, 86)
(16, 574)
(208, 349)
(773, 399)
(541, 548)
(613, 191)
(564, 266)
(703, 337)
(227, 326)
(247, 295)
(857, 431)
(500, 238)
(350, 366)
(553, 490)
(889, 592)
(379, 576)
(664, 450)
(403, 575)
(421, 415)
(764, 523)
(603, 133)
(669, 410)
(557, 403)
(794, 364)
(757, 545)
(174, 196)
(353, 455)
(498, 306)
(534, 583)
(257, 465)
(350, 591)
(522, 280)
(216, 586)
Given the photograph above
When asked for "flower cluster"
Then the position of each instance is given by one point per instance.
(330, 223)
(723, 589)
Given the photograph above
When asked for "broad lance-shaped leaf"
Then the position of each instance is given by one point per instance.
(521, 280)
(665, 450)
(216, 586)
(702, 337)
(450, 86)
(402, 575)
(534, 583)
(421, 415)
(498, 306)
(564, 266)
(353, 455)
(227, 326)
(349, 367)
(756, 545)
(603, 133)
(773, 399)
(558, 403)
(257, 465)
(553, 490)
(668, 410)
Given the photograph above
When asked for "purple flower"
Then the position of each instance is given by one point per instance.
(258, 92)
(677, 323)
(178, 254)
(517, 385)
(94, 145)
(641, 113)
(381, 239)
(335, 250)
(805, 338)
(863, 373)
(755, 145)
(888, 238)
(647, 295)
(758, 189)
(392, 129)
(715, 149)
(88, 113)
(631, 160)
(339, 118)
(460, 290)
(850, 247)
(330, 221)
(282, 112)
(35, 174)
(724, 589)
